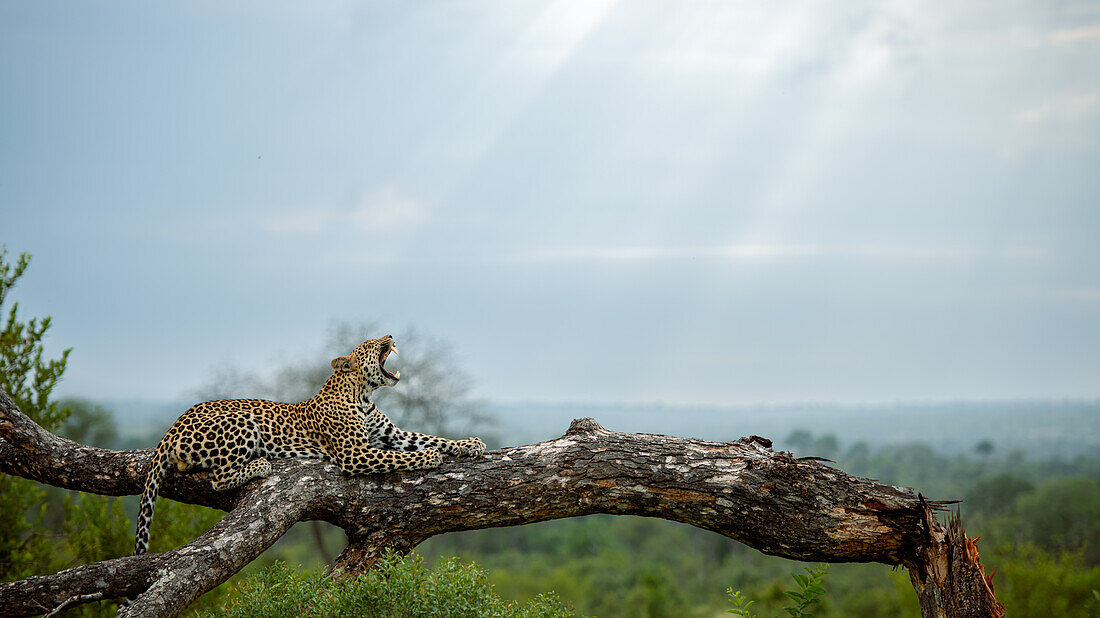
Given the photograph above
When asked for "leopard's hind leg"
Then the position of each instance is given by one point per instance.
(237, 473)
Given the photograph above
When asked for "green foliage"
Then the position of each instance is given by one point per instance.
(24, 549)
(1063, 513)
(89, 423)
(997, 493)
(1033, 582)
(740, 602)
(176, 524)
(96, 528)
(24, 374)
(652, 571)
(809, 591)
(805, 597)
(28, 378)
(396, 586)
(870, 590)
(654, 593)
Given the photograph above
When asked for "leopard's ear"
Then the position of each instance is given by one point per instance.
(343, 363)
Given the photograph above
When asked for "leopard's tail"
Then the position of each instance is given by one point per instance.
(149, 497)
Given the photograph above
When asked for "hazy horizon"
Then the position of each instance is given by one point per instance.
(1037, 429)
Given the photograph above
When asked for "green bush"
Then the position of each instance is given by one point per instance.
(1064, 514)
(396, 586)
(806, 598)
(29, 378)
(1032, 582)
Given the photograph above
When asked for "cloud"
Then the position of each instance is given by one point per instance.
(387, 209)
(1066, 107)
(1061, 36)
(1071, 35)
(379, 210)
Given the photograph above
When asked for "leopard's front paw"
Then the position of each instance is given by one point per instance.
(429, 458)
(470, 447)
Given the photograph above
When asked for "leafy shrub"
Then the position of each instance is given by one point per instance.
(396, 586)
(1032, 582)
(1064, 514)
(29, 379)
(807, 596)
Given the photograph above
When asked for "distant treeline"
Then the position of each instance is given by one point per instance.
(1046, 428)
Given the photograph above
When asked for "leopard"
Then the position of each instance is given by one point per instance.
(236, 438)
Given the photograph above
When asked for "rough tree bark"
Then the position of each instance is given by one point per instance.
(794, 508)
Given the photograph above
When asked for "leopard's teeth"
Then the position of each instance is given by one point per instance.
(397, 374)
(393, 350)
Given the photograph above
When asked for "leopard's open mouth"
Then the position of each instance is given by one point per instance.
(395, 376)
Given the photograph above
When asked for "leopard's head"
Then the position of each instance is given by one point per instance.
(369, 360)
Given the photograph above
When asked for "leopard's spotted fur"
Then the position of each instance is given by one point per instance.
(235, 438)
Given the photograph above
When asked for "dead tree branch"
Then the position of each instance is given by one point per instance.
(797, 509)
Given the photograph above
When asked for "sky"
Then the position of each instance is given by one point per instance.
(685, 202)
